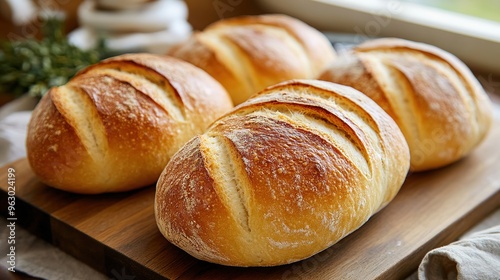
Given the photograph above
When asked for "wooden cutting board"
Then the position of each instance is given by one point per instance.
(117, 235)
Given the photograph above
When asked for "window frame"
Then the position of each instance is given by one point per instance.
(475, 41)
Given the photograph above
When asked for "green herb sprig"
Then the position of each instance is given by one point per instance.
(34, 66)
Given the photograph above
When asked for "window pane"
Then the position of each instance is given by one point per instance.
(487, 9)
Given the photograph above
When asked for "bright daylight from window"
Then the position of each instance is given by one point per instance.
(486, 9)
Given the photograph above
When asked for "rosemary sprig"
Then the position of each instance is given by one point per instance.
(34, 66)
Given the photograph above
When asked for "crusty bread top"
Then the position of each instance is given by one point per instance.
(248, 53)
(285, 175)
(435, 99)
(115, 125)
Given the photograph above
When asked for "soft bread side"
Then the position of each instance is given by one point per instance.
(439, 105)
(116, 124)
(248, 53)
(285, 175)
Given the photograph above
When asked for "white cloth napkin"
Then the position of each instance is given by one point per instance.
(14, 118)
(474, 257)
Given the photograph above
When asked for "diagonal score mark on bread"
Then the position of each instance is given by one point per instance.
(248, 53)
(293, 32)
(460, 88)
(149, 82)
(308, 120)
(263, 54)
(405, 94)
(233, 61)
(397, 93)
(296, 49)
(80, 112)
(227, 171)
(467, 88)
(415, 83)
(336, 117)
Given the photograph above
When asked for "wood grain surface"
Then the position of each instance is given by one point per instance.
(117, 234)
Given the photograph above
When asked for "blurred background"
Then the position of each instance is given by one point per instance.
(201, 13)
(487, 9)
(468, 29)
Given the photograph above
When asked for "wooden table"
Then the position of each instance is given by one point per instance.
(116, 233)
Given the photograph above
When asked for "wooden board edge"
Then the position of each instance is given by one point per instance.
(410, 264)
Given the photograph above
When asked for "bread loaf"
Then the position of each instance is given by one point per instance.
(434, 98)
(115, 125)
(248, 53)
(285, 175)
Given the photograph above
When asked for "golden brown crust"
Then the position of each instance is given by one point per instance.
(116, 124)
(438, 103)
(286, 174)
(248, 53)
